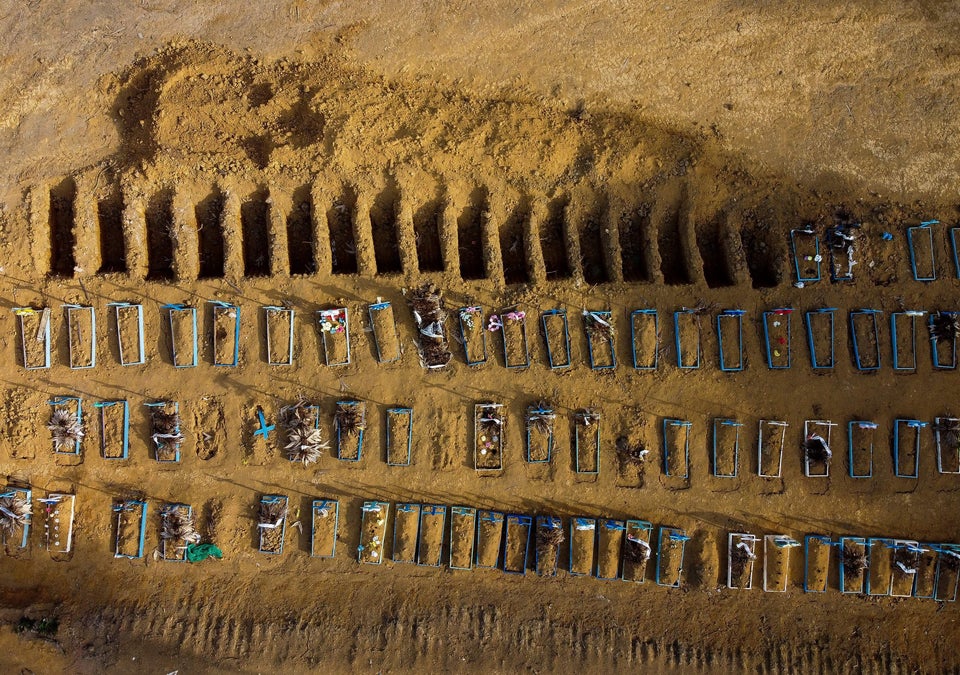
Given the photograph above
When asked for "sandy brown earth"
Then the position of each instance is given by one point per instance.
(578, 155)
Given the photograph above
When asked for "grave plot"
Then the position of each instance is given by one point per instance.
(636, 550)
(82, 334)
(272, 523)
(473, 336)
(182, 321)
(385, 336)
(373, 531)
(129, 317)
(645, 338)
(226, 333)
(519, 532)
(583, 545)
(601, 348)
(489, 539)
(334, 326)
(406, 529)
(556, 335)
(586, 440)
(399, 436)
(324, 524)
(549, 538)
(130, 523)
(279, 322)
(610, 537)
(861, 437)
(33, 334)
(463, 536)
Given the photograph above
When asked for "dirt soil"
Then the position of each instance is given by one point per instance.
(552, 154)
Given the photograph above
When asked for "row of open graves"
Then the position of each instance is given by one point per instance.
(304, 442)
(466, 538)
(820, 327)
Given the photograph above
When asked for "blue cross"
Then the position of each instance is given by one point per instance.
(265, 428)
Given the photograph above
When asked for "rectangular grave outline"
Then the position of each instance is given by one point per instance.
(889, 543)
(520, 520)
(192, 312)
(895, 338)
(796, 260)
(862, 424)
(409, 413)
(139, 308)
(809, 427)
(923, 228)
(866, 573)
(815, 362)
(939, 445)
(780, 542)
(934, 550)
(334, 313)
(737, 316)
(562, 313)
(835, 275)
(467, 512)
(604, 316)
(720, 422)
(476, 436)
(379, 307)
(579, 420)
(951, 550)
(823, 541)
(912, 424)
(405, 507)
(176, 409)
(583, 524)
(538, 410)
(783, 434)
(608, 524)
(20, 312)
(164, 510)
(780, 311)
(59, 498)
(523, 332)
(12, 491)
(219, 305)
(319, 505)
(290, 312)
(472, 309)
(370, 506)
(634, 315)
(125, 505)
(745, 537)
(493, 517)
(642, 526)
(677, 339)
(875, 324)
(431, 510)
(955, 250)
(547, 523)
(934, 354)
(70, 310)
(908, 544)
(686, 425)
(126, 427)
(355, 403)
(65, 400)
(674, 534)
(274, 499)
